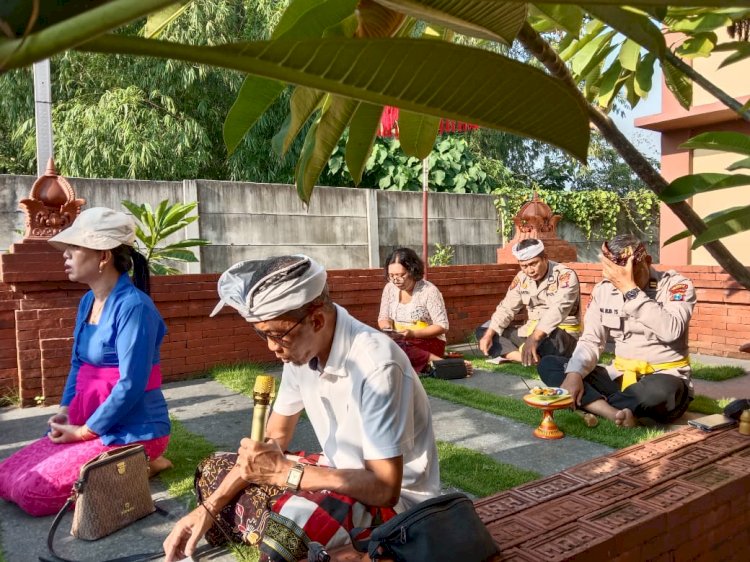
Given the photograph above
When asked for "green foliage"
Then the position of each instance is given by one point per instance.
(154, 226)
(443, 255)
(452, 167)
(594, 212)
(150, 118)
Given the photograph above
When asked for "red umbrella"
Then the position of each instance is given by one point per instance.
(389, 128)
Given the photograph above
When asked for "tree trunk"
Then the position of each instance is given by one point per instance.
(545, 54)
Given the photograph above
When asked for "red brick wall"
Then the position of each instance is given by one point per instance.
(37, 316)
(8, 360)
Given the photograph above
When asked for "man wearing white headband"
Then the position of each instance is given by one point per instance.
(551, 295)
(364, 401)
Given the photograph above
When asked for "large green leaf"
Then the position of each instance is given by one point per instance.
(256, 95)
(644, 75)
(63, 25)
(307, 19)
(486, 19)
(701, 23)
(629, 55)
(610, 83)
(633, 25)
(590, 31)
(302, 105)
(687, 186)
(698, 45)
(417, 133)
(724, 223)
(363, 129)
(377, 20)
(158, 21)
(725, 141)
(741, 51)
(493, 91)
(570, 18)
(320, 141)
(710, 220)
(679, 84)
(742, 164)
(593, 53)
(302, 19)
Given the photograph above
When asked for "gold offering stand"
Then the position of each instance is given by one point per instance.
(548, 428)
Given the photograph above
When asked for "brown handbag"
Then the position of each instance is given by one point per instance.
(111, 492)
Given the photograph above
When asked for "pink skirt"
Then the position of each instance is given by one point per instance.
(40, 477)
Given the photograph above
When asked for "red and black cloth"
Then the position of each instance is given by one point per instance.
(282, 523)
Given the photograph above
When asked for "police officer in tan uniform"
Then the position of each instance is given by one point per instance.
(552, 297)
(647, 313)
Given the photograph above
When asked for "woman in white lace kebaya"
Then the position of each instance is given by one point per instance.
(412, 310)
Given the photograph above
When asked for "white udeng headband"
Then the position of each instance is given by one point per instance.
(529, 252)
(273, 295)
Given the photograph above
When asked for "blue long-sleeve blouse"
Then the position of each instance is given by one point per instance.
(128, 336)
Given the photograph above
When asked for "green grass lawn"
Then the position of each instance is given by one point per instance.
(606, 433)
(716, 372)
(477, 473)
(185, 451)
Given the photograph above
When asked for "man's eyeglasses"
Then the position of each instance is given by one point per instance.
(279, 340)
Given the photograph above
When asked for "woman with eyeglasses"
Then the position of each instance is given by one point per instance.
(412, 310)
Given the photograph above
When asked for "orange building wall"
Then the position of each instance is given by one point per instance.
(678, 125)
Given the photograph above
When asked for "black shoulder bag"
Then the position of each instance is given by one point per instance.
(442, 529)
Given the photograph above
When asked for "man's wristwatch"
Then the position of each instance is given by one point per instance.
(632, 293)
(294, 478)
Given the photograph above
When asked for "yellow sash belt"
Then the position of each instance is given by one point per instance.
(632, 368)
(531, 326)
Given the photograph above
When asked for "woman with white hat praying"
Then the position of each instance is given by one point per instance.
(112, 395)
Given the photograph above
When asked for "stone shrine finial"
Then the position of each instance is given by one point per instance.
(51, 206)
(536, 220)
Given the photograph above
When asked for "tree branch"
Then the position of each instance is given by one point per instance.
(545, 54)
(707, 85)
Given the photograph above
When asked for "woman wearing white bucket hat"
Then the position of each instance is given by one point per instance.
(113, 395)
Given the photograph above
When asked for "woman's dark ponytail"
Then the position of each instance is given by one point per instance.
(127, 257)
(141, 275)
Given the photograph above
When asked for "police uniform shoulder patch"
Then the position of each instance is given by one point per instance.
(515, 282)
(677, 292)
(564, 279)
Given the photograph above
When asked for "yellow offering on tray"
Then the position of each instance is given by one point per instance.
(401, 326)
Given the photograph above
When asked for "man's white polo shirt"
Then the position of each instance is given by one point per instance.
(367, 404)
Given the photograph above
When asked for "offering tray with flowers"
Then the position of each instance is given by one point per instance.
(548, 399)
(547, 395)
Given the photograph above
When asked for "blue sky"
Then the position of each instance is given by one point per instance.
(648, 141)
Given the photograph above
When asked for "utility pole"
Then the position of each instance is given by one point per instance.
(43, 114)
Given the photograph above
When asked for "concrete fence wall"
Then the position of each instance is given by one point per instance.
(38, 306)
(342, 227)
